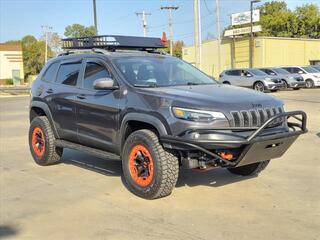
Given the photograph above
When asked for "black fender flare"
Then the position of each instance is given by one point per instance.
(142, 117)
(47, 111)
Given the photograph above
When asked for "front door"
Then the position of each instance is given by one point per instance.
(97, 110)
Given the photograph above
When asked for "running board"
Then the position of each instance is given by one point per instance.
(93, 151)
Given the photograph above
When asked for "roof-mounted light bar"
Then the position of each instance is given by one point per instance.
(112, 42)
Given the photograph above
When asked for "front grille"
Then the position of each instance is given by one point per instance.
(255, 117)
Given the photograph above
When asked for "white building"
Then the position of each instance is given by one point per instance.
(11, 63)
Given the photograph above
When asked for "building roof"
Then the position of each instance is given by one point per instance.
(10, 47)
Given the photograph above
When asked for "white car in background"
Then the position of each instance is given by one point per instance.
(310, 75)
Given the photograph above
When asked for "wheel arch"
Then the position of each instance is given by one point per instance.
(38, 108)
(136, 121)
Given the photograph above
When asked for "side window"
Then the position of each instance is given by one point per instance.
(233, 73)
(93, 72)
(50, 73)
(296, 70)
(68, 73)
(270, 72)
(288, 69)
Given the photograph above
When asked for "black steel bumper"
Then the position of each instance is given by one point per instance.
(258, 146)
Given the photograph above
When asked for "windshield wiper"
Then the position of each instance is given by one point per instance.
(152, 85)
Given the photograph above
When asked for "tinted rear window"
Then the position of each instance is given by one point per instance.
(50, 74)
(68, 74)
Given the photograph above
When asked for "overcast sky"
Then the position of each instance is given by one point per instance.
(21, 17)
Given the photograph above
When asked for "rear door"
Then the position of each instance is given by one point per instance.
(233, 76)
(97, 110)
(61, 97)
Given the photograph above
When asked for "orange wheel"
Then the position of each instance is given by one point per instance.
(141, 165)
(38, 141)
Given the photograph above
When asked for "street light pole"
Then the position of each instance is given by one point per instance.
(95, 16)
(46, 29)
(251, 32)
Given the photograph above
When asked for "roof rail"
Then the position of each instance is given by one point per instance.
(93, 50)
(112, 43)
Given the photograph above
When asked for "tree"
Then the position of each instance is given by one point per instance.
(309, 20)
(78, 30)
(33, 52)
(176, 49)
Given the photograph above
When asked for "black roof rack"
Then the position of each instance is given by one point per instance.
(112, 42)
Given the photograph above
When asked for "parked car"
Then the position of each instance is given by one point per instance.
(251, 78)
(316, 67)
(310, 75)
(290, 80)
(154, 112)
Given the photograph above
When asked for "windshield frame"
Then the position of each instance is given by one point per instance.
(260, 73)
(116, 65)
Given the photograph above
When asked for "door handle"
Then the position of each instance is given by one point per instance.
(81, 96)
(50, 90)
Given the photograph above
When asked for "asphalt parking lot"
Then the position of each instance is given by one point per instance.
(84, 197)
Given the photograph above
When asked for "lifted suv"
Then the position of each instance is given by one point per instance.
(154, 111)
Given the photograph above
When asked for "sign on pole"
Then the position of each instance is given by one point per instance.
(239, 31)
(245, 17)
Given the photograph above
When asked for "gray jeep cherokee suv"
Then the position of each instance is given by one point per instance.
(156, 112)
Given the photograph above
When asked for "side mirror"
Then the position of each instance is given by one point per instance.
(104, 84)
(248, 75)
(300, 72)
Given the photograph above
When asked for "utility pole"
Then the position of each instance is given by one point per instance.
(170, 8)
(45, 30)
(95, 16)
(197, 32)
(218, 36)
(144, 15)
(251, 32)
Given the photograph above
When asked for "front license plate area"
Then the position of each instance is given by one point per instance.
(265, 150)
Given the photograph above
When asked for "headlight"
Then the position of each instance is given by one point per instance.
(316, 76)
(196, 115)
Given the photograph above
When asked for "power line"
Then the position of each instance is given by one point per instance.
(170, 8)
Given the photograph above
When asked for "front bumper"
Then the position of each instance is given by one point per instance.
(298, 84)
(260, 145)
(274, 86)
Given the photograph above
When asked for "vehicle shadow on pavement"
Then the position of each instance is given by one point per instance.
(112, 167)
(213, 178)
(7, 231)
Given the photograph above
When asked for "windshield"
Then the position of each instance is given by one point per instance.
(316, 67)
(257, 72)
(160, 71)
(280, 71)
(309, 69)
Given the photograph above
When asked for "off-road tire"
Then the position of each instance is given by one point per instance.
(165, 166)
(52, 154)
(251, 169)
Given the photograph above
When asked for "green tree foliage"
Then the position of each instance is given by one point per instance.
(176, 50)
(309, 20)
(78, 30)
(33, 55)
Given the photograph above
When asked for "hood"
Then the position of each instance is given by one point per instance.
(217, 96)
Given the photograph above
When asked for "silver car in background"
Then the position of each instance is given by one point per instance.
(251, 78)
(290, 80)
